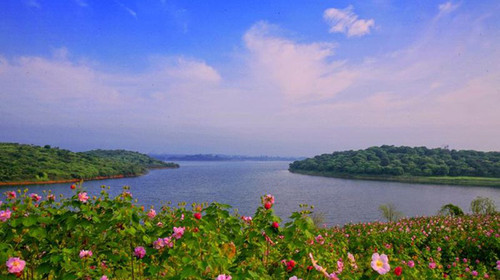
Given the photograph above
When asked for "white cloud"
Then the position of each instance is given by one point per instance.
(282, 95)
(192, 70)
(447, 7)
(299, 71)
(345, 21)
(59, 91)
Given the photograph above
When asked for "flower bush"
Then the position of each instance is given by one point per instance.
(84, 237)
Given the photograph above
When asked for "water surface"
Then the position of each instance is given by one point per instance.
(241, 184)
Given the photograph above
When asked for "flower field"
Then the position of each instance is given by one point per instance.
(84, 237)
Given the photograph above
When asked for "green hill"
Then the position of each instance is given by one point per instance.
(419, 164)
(19, 162)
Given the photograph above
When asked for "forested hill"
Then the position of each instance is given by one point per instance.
(19, 162)
(403, 161)
(132, 157)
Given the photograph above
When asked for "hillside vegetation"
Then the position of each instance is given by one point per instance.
(406, 162)
(20, 162)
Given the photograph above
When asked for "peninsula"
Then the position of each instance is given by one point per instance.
(407, 164)
(22, 164)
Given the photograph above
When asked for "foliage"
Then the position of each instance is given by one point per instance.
(33, 163)
(483, 205)
(84, 237)
(451, 210)
(404, 161)
(389, 212)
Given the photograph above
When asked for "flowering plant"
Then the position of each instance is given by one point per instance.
(99, 237)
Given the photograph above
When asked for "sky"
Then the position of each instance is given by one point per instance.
(289, 78)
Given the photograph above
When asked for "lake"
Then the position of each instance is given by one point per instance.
(241, 183)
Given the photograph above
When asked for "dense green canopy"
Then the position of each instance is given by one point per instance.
(404, 161)
(20, 162)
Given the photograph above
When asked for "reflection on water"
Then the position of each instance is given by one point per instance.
(241, 184)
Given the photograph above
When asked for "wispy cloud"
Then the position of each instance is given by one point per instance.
(346, 21)
(129, 10)
(33, 3)
(447, 7)
(82, 3)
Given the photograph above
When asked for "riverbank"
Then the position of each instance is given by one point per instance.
(63, 181)
(440, 180)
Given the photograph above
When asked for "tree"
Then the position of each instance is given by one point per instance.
(450, 210)
(483, 205)
(389, 212)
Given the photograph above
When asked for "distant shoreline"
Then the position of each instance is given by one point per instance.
(444, 180)
(27, 183)
(212, 157)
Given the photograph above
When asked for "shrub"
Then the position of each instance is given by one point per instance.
(483, 205)
(450, 210)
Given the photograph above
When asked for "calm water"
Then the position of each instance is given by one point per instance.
(241, 184)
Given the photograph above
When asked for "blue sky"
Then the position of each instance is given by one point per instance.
(250, 77)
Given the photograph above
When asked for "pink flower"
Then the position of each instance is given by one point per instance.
(178, 232)
(51, 197)
(474, 273)
(5, 215)
(411, 264)
(35, 197)
(333, 276)
(151, 213)
(223, 277)
(340, 266)
(168, 242)
(83, 197)
(159, 243)
(352, 261)
(15, 265)
(104, 277)
(380, 263)
(159, 224)
(246, 219)
(126, 194)
(294, 278)
(319, 239)
(269, 198)
(11, 195)
(139, 252)
(498, 265)
(432, 265)
(85, 254)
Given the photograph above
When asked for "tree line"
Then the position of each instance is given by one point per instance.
(404, 161)
(19, 162)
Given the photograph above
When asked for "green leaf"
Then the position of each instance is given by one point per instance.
(29, 221)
